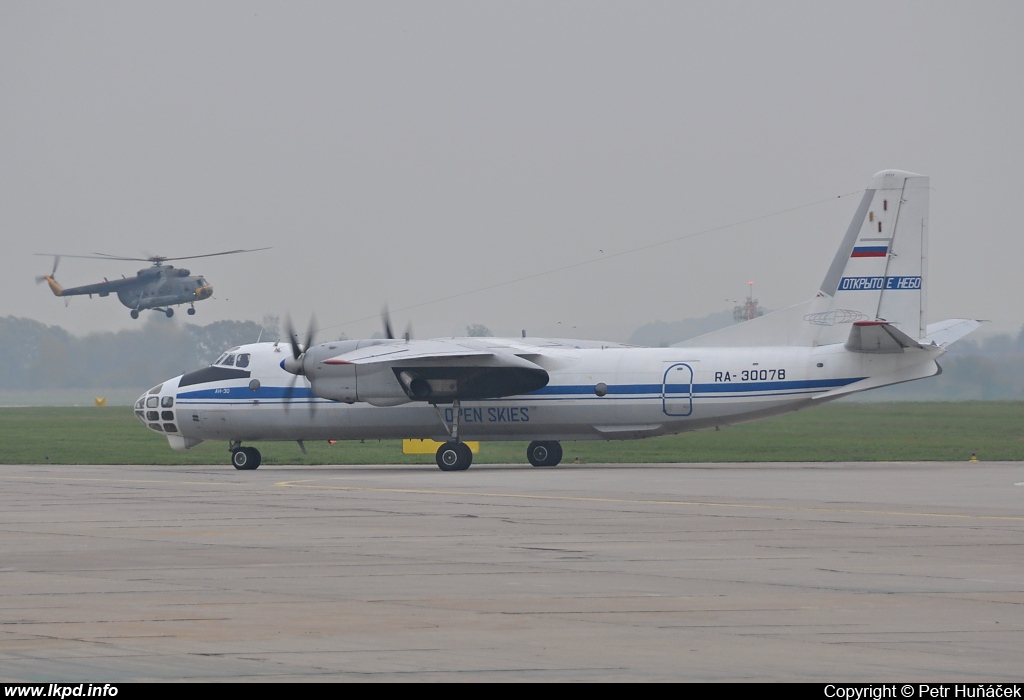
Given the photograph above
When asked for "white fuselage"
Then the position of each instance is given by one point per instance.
(594, 392)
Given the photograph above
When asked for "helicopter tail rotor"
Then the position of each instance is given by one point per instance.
(49, 279)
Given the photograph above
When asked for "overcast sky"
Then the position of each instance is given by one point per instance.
(420, 153)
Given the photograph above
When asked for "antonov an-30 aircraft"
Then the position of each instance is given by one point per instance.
(865, 328)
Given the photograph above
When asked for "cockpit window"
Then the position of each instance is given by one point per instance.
(229, 361)
(156, 389)
(243, 360)
(220, 359)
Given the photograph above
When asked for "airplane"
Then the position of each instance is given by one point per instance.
(158, 287)
(865, 328)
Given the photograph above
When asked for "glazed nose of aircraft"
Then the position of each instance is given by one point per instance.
(204, 292)
(140, 407)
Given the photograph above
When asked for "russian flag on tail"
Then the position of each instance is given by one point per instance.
(870, 251)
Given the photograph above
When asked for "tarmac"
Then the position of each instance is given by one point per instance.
(826, 573)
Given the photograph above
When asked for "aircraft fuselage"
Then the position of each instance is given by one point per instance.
(593, 393)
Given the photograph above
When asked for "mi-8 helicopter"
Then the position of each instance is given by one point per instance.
(158, 287)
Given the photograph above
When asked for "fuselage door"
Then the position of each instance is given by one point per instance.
(677, 390)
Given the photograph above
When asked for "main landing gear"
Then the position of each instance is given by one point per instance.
(453, 456)
(245, 458)
(544, 453)
(168, 312)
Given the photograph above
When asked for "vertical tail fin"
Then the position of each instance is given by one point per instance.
(878, 274)
(879, 271)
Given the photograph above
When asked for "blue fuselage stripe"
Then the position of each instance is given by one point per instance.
(621, 391)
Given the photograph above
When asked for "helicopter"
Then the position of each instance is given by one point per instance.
(158, 287)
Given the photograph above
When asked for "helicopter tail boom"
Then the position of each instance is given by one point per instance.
(57, 290)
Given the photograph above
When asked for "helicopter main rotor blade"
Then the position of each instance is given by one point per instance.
(156, 258)
(209, 255)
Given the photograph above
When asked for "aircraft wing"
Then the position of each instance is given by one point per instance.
(416, 351)
(449, 369)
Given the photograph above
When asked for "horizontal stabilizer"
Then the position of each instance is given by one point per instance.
(878, 337)
(945, 333)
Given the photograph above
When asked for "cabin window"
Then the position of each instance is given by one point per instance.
(243, 360)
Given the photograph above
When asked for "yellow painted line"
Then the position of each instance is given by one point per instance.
(641, 501)
(63, 479)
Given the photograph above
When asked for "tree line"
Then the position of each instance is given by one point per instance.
(37, 356)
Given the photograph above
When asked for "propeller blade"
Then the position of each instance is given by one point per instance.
(309, 343)
(296, 351)
(289, 394)
(385, 317)
(298, 355)
(310, 332)
(42, 278)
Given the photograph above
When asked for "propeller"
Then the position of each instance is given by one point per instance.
(42, 278)
(296, 364)
(385, 316)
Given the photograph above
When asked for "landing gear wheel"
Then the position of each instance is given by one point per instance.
(246, 458)
(544, 453)
(135, 313)
(169, 312)
(454, 456)
(191, 311)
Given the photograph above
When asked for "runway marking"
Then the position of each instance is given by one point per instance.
(640, 501)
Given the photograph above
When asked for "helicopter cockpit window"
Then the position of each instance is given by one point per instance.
(229, 361)
(243, 360)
